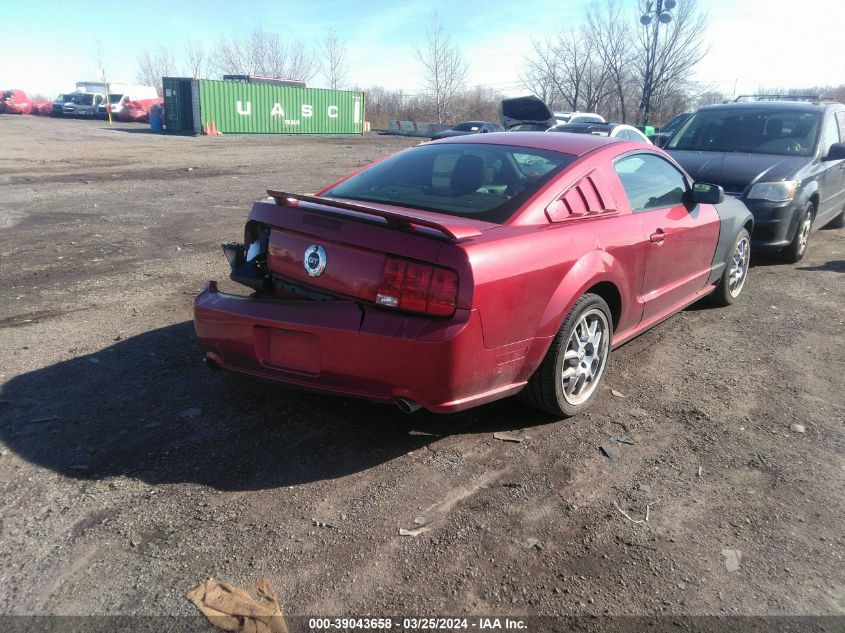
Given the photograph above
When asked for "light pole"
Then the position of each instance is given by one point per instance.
(659, 15)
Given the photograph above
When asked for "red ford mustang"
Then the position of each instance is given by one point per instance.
(465, 270)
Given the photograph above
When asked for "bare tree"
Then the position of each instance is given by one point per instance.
(478, 103)
(196, 59)
(263, 54)
(542, 74)
(607, 27)
(153, 66)
(302, 63)
(333, 60)
(445, 68)
(567, 73)
(601, 65)
(709, 97)
(537, 75)
(98, 54)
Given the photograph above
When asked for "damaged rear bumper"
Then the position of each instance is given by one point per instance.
(345, 348)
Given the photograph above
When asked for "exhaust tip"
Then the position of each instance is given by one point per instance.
(213, 361)
(407, 406)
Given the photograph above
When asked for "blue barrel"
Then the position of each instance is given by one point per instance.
(156, 120)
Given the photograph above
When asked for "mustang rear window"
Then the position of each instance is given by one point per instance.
(486, 182)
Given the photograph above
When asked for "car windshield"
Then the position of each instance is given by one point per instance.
(675, 122)
(83, 99)
(115, 98)
(481, 181)
(467, 127)
(787, 132)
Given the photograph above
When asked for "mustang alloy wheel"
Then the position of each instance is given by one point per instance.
(585, 357)
(567, 380)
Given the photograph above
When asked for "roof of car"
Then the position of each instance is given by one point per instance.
(576, 144)
(777, 105)
(586, 125)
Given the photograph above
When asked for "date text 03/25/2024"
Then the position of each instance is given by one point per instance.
(414, 624)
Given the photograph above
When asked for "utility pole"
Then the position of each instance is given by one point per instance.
(108, 99)
(659, 15)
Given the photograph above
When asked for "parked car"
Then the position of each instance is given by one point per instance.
(43, 108)
(784, 160)
(469, 269)
(611, 130)
(143, 96)
(15, 102)
(139, 111)
(660, 137)
(469, 127)
(578, 117)
(59, 103)
(526, 114)
(82, 104)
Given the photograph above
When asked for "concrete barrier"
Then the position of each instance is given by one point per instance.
(415, 128)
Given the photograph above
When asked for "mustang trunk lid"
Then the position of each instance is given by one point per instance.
(343, 252)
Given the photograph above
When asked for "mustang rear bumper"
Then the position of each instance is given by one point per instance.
(344, 348)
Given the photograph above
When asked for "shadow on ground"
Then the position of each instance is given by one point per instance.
(147, 407)
(835, 265)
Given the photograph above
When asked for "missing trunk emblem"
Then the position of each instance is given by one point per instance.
(315, 260)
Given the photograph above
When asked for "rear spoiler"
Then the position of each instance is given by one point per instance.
(452, 232)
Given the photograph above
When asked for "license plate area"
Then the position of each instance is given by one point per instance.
(288, 350)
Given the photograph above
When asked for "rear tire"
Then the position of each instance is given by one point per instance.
(795, 251)
(736, 272)
(567, 380)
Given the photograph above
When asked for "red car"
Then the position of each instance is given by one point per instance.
(15, 102)
(470, 269)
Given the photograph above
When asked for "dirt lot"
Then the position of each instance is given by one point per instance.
(130, 472)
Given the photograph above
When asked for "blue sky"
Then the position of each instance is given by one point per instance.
(46, 49)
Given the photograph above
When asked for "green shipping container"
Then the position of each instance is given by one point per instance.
(252, 108)
(181, 111)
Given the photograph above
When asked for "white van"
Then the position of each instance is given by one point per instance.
(121, 94)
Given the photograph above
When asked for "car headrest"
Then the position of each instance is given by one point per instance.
(468, 174)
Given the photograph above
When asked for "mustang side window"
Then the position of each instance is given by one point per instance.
(650, 182)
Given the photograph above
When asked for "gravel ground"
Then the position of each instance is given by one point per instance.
(129, 472)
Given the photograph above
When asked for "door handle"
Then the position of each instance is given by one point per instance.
(658, 236)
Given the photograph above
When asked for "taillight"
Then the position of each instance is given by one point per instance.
(443, 292)
(417, 287)
(390, 286)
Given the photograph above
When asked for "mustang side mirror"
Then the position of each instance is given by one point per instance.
(705, 193)
(836, 152)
